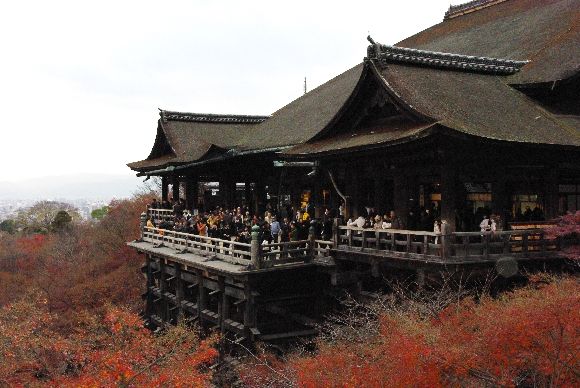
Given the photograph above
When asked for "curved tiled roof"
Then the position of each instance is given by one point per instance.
(304, 117)
(478, 104)
(546, 32)
(193, 136)
(450, 75)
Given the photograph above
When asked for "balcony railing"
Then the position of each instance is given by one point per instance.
(451, 247)
(253, 255)
(425, 246)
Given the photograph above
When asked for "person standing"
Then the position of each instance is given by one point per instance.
(275, 229)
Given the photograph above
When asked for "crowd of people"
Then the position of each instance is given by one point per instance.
(236, 224)
(289, 224)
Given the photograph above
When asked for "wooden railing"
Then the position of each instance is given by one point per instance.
(452, 247)
(408, 243)
(512, 243)
(284, 253)
(322, 248)
(225, 250)
(253, 255)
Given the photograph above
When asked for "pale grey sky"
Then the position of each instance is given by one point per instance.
(80, 82)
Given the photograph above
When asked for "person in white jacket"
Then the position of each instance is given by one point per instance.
(487, 225)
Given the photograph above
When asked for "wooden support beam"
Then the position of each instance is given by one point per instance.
(201, 296)
(179, 292)
(289, 334)
(164, 188)
(249, 311)
(150, 283)
(162, 310)
(175, 188)
(302, 319)
(191, 192)
(223, 303)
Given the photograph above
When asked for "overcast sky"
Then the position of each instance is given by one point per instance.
(80, 82)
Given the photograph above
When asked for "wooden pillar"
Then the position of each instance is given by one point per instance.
(317, 197)
(191, 190)
(164, 188)
(175, 188)
(499, 196)
(352, 190)
(401, 193)
(248, 196)
(449, 183)
(380, 191)
(228, 191)
(249, 310)
(150, 283)
(222, 192)
(162, 288)
(223, 304)
(551, 193)
(201, 296)
(260, 197)
(178, 290)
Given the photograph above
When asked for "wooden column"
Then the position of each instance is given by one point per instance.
(551, 193)
(317, 196)
(380, 194)
(201, 296)
(352, 190)
(162, 288)
(191, 190)
(178, 290)
(260, 197)
(248, 196)
(449, 183)
(175, 188)
(401, 187)
(228, 191)
(164, 188)
(499, 195)
(150, 283)
(249, 310)
(223, 304)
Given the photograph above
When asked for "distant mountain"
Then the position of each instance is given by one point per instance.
(77, 186)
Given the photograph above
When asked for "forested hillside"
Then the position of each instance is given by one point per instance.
(70, 299)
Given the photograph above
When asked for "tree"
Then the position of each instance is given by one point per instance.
(525, 338)
(39, 217)
(99, 213)
(568, 227)
(61, 221)
(8, 226)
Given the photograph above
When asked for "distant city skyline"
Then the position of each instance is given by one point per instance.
(83, 81)
(72, 187)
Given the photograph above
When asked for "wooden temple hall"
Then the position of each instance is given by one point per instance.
(477, 115)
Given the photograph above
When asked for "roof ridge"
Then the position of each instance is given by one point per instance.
(471, 6)
(211, 117)
(385, 53)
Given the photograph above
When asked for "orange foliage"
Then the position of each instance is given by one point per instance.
(529, 337)
(101, 351)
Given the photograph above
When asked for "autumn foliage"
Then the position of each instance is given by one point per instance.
(69, 304)
(69, 312)
(528, 337)
(101, 350)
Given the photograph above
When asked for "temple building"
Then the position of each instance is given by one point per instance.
(479, 111)
(477, 115)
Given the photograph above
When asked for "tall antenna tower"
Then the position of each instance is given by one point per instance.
(305, 90)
